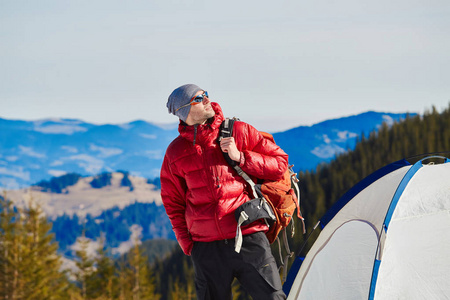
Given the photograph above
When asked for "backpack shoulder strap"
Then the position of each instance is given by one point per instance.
(226, 130)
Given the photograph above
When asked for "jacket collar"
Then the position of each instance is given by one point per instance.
(202, 133)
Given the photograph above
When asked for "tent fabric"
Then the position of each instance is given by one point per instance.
(374, 247)
(359, 187)
(415, 259)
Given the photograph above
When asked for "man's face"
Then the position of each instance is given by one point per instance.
(200, 112)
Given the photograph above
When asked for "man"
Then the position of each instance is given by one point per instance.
(200, 192)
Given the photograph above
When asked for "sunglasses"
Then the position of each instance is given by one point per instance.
(195, 100)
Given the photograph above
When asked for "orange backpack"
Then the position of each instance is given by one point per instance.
(284, 197)
(275, 201)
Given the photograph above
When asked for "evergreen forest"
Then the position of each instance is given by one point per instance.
(30, 267)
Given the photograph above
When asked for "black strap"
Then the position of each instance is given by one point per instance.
(226, 130)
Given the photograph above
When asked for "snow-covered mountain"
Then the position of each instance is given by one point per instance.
(34, 151)
(308, 146)
(31, 151)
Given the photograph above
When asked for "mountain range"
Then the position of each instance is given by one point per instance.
(31, 151)
(70, 165)
(308, 146)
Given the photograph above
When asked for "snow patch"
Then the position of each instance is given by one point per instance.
(11, 158)
(56, 173)
(17, 172)
(56, 163)
(60, 129)
(70, 149)
(388, 120)
(345, 135)
(91, 249)
(88, 163)
(135, 238)
(149, 136)
(327, 151)
(30, 152)
(154, 154)
(126, 126)
(57, 120)
(105, 152)
(167, 126)
(68, 265)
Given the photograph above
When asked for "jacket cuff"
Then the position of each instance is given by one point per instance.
(242, 159)
(187, 248)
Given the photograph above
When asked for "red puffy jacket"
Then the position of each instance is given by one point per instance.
(200, 191)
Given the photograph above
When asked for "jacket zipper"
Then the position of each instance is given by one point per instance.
(212, 188)
(195, 132)
(218, 181)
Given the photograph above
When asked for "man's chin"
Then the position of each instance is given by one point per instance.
(210, 111)
(211, 114)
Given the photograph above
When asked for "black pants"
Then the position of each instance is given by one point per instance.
(216, 264)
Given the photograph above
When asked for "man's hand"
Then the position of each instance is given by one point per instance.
(229, 146)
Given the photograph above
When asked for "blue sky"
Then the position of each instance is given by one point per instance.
(274, 64)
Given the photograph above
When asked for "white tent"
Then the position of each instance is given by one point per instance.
(386, 238)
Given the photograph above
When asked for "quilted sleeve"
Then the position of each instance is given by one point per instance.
(260, 157)
(173, 196)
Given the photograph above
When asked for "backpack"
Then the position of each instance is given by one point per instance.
(275, 201)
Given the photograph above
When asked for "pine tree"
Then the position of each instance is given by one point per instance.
(29, 262)
(107, 270)
(125, 281)
(40, 259)
(185, 289)
(143, 282)
(7, 245)
(85, 266)
(103, 280)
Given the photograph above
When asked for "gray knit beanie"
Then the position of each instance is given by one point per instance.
(179, 97)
